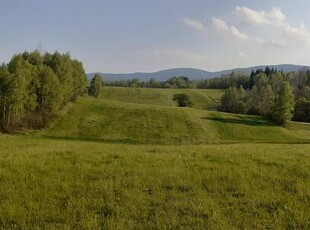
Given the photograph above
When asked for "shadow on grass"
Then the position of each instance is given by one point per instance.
(133, 142)
(91, 139)
(241, 121)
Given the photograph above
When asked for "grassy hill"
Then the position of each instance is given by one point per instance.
(202, 99)
(149, 116)
(132, 159)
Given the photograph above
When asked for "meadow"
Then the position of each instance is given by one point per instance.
(124, 161)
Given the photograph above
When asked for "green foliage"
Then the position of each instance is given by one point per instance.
(302, 110)
(265, 101)
(269, 98)
(79, 80)
(182, 99)
(229, 99)
(95, 86)
(284, 104)
(153, 83)
(48, 91)
(233, 100)
(224, 82)
(33, 84)
(179, 82)
(135, 83)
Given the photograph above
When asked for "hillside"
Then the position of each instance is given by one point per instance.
(202, 99)
(194, 74)
(121, 115)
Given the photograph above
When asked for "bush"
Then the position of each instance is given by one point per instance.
(182, 99)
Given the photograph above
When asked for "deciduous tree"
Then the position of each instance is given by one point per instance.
(95, 85)
(284, 104)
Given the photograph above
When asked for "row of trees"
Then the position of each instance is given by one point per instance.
(276, 96)
(173, 82)
(277, 106)
(34, 85)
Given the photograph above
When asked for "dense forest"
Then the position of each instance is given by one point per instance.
(33, 86)
(271, 94)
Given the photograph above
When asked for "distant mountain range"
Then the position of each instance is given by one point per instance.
(194, 74)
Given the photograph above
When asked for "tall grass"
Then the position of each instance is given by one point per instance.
(54, 184)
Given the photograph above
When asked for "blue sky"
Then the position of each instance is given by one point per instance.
(121, 36)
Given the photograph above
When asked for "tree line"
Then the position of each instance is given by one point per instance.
(173, 82)
(183, 82)
(33, 86)
(223, 82)
(274, 95)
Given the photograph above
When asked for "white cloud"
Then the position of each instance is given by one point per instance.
(238, 34)
(276, 16)
(220, 26)
(273, 26)
(297, 33)
(256, 18)
(250, 16)
(193, 24)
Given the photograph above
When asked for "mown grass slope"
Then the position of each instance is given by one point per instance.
(117, 122)
(58, 184)
(121, 122)
(201, 99)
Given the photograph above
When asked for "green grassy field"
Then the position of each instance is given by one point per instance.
(58, 184)
(202, 99)
(131, 159)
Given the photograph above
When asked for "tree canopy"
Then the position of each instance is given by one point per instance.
(33, 85)
(95, 86)
(182, 99)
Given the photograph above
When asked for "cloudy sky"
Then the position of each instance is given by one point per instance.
(121, 36)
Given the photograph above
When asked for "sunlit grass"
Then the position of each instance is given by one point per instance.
(71, 184)
(201, 99)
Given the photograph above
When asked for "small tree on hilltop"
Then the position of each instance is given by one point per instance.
(95, 86)
(182, 99)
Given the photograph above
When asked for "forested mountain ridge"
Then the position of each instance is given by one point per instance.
(193, 74)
